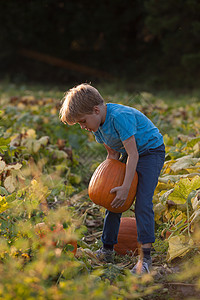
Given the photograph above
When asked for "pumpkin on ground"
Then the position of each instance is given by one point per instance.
(109, 174)
(127, 237)
(58, 236)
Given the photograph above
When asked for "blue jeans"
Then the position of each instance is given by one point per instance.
(148, 168)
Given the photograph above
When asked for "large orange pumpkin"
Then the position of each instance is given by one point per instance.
(127, 237)
(109, 174)
(42, 230)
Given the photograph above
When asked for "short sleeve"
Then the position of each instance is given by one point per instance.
(98, 138)
(125, 124)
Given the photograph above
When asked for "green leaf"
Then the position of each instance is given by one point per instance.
(174, 178)
(183, 188)
(164, 197)
(184, 163)
(3, 204)
(193, 141)
(175, 154)
(4, 142)
(190, 196)
(3, 148)
(3, 191)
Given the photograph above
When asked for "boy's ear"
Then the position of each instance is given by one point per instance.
(96, 109)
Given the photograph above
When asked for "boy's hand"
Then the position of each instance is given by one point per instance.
(121, 196)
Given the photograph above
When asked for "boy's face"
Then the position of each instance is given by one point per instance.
(90, 122)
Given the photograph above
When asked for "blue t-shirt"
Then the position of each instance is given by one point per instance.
(123, 122)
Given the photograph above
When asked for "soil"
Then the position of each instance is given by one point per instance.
(171, 288)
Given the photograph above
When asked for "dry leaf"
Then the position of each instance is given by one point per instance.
(77, 197)
(16, 166)
(179, 246)
(2, 166)
(36, 146)
(10, 183)
(44, 140)
(159, 209)
(31, 133)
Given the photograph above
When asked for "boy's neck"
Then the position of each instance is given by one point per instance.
(104, 112)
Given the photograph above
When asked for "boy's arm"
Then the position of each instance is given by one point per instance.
(131, 164)
(111, 152)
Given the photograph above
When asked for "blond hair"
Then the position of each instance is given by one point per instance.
(79, 101)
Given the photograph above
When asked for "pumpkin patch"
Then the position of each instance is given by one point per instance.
(37, 185)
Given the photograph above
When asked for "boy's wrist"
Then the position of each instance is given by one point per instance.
(126, 186)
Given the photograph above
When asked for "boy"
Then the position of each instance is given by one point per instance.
(130, 136)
